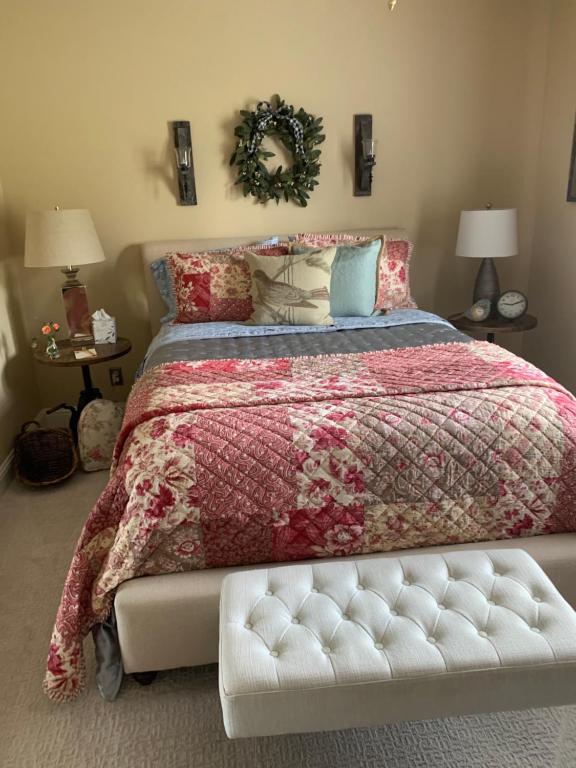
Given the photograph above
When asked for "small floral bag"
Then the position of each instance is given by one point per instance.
(98, 428)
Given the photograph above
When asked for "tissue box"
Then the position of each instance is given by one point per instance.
(103, 328)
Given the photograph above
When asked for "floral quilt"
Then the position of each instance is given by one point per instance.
(229, 462)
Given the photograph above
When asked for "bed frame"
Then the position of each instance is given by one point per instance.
(170, 621)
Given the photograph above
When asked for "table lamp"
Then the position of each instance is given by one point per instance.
(487, 234)
(66, 239)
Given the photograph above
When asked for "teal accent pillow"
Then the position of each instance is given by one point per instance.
(354, 276)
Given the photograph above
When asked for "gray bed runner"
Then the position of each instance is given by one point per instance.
(296, 345)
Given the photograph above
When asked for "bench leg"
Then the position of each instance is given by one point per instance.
(144, 678)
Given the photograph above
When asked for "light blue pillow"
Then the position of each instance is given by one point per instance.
(161, 275)
(353, 280)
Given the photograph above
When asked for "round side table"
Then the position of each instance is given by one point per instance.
(493, 325)
(104, 353)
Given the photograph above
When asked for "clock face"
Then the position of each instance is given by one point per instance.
(512, 305)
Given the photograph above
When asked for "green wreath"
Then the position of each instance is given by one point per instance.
(299, 132)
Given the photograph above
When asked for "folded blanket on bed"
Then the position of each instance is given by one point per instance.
(229, 462)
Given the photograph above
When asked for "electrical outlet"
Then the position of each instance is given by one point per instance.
(116, 378)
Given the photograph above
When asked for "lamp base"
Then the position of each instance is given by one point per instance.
(77, 310)
(487, 285)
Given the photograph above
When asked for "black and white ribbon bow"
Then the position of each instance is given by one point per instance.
(267, 116)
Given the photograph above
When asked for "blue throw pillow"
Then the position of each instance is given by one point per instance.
(161, 275)
(354, 276)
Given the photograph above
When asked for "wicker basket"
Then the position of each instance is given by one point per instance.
(44, 456)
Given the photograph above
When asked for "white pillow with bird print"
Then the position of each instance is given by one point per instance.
(292, 289)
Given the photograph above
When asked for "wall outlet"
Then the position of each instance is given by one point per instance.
(116, 378)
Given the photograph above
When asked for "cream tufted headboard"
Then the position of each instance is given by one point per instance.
(156, 249)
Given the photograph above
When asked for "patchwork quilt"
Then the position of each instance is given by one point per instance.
(239, 461)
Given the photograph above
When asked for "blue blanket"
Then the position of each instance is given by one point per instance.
(232, 339)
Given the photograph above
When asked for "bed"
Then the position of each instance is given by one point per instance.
(243, 447)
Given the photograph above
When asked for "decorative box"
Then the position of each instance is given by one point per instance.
(103, 327)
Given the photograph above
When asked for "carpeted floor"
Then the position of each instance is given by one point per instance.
(176, 723)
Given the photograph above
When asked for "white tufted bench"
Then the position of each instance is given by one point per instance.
(363, 643)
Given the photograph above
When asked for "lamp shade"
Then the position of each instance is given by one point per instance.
(488, 234)
(60, 238)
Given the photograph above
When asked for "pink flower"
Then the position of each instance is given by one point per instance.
(329, 437)
(188, 547)
(436, 460)
(525, 524)
(183, 435)
(144, 487)
(340, 540)
(355, 478)
(55, 661)
(268, 385)
(158, 428)
(340, 416)
(163, 500)
(319, 484)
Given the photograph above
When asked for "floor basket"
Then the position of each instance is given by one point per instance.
(44, 456)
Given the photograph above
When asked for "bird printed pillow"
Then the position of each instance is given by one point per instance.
(292, 289)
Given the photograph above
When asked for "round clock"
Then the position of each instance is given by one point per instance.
(512, 305)
(479, 311)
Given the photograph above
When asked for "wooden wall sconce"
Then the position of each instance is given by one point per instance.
(184, 162)
(364, 155)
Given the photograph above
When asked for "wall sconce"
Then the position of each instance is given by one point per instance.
(184, 162)
(364, 154)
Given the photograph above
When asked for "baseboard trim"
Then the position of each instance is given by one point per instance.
(6, 472)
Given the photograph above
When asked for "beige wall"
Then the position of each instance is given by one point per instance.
(18, 392)
(87, 90)
(553, 280)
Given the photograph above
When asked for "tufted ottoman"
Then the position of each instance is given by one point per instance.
(363, 643)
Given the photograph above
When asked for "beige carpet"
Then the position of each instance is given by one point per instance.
(176, 723)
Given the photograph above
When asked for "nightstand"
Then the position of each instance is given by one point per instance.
(104, 353)
(493, 325)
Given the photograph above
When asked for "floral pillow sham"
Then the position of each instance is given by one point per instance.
(210, 287)
(393, 276)
(161, 274)
(393, 288)
(293, 289)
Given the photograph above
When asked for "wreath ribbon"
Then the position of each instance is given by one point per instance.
(267, 117)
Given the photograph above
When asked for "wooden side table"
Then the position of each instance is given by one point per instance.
(104, 353)
(493, 325)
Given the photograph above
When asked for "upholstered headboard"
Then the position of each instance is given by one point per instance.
(156, 249)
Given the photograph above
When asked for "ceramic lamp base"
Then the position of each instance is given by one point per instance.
(487, 285)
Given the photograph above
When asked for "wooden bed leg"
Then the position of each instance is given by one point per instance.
(144, 678)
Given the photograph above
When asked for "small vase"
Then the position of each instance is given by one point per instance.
(52, 349)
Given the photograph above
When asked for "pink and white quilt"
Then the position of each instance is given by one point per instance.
(231, 462)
